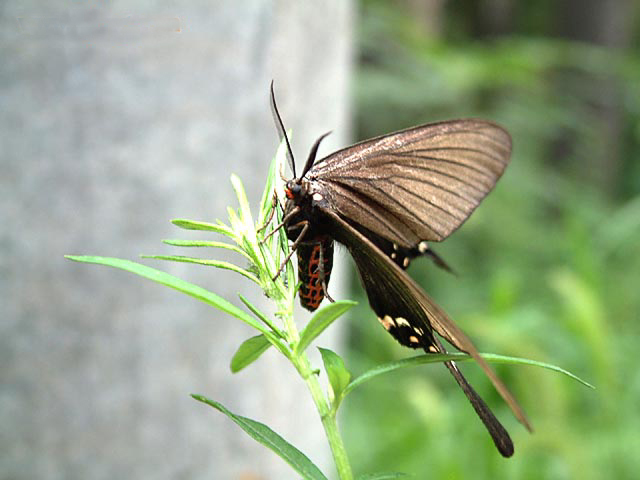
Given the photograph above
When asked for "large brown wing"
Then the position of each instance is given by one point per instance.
(416, 184)
(404, 308)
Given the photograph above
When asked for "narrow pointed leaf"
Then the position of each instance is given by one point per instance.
(248, 352)
(338, 374)
(272, 186)
(208, 262)
(176, 283)
(204, 243)
(281, 161)
(458, 357)
(404, 363)
(320, 321)
(493, 358)
(266, 201)
(195, 225)
(234, 220)
(261, 315)
(243, 201)
(270, 439)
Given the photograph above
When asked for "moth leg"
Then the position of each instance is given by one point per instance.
(281, 169)
(322, 275)
(285, 219)
(274, 204)
(305, 227)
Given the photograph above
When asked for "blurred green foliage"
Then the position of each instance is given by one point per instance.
(548, 267)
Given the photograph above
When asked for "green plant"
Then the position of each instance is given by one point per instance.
(264, 253)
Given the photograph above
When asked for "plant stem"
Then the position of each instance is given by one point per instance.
(327, 415)
(301, 361)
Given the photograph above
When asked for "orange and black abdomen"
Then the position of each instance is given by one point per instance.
(310, 274)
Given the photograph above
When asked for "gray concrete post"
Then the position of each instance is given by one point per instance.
(116, 117)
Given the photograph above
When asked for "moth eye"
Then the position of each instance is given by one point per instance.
(288, 193)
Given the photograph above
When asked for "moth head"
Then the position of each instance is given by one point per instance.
(295, 189)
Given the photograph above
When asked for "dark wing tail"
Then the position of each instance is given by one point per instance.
(411, 316)
(498, 433)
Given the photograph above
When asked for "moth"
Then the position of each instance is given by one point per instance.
(385, 199)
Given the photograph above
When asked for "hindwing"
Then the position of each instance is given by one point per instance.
(393, 293)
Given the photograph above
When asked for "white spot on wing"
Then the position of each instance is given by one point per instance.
(423, 246)
(387, 322)
(317, 197)
(402, 322)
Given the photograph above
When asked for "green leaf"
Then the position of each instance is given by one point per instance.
(270, 439)
(272, 184)
(404, 363)
(320, 321)
(195, 225)
(493, 358)
(248, 352)
(266, 203)
(458, 357)
(164, 278)
(281, 161)
(284, 248)
(275, 336)
(383, 476)
(205, 243)
(261, 315)
(245, 209)
(234, 220)
(338, 375)
(202, 261)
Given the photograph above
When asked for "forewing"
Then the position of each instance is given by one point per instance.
(393, 295)
(416, 184)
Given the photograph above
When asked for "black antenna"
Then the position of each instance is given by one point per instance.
(281, 132)
(312, 155)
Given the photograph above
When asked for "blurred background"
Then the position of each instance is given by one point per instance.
(549, 266)
(118, 116)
